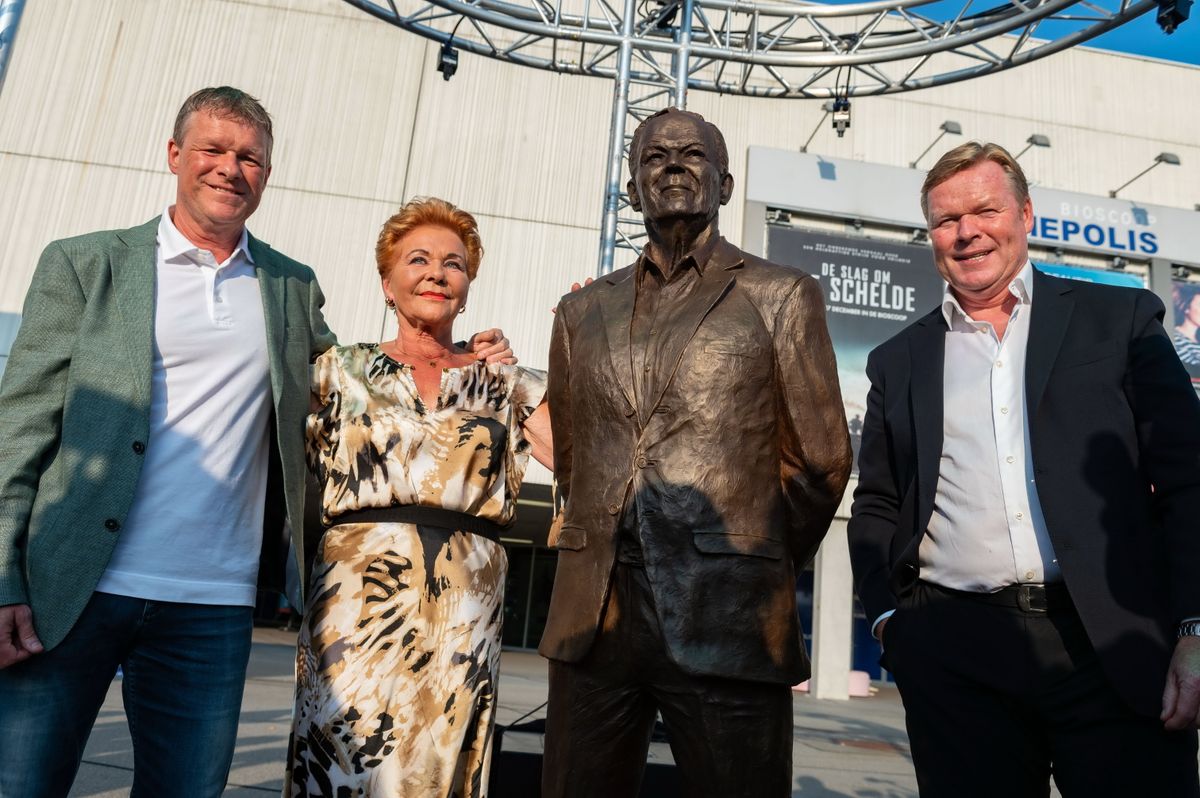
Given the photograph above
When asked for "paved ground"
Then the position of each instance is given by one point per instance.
(841, 748)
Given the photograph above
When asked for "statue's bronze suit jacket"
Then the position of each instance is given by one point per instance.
(736, 463)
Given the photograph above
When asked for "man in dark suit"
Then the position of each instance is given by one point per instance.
(151, 449)
(1028, 508)
(701, 449)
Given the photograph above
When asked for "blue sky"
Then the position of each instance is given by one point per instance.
(1142, 36)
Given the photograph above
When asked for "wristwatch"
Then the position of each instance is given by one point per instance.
(1189, 629)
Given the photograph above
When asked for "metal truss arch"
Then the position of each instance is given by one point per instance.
(657, 50)
(765, 49)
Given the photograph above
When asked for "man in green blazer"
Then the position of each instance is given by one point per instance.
(151, 449)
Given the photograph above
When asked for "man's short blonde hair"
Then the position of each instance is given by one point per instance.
(226, 102)
(973, 153)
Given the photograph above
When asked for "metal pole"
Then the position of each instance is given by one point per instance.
(1113, 193)
(682, 55)
(616, 144)
(913, 164)
(10, 18)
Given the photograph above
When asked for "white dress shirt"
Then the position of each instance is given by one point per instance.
(987, 530)
(194, 532)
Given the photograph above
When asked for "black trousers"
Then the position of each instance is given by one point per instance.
(729, 738)
(998, 699)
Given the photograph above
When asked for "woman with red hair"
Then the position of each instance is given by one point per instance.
(419, 450)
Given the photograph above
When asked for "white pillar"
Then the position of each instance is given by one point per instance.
(833, 611)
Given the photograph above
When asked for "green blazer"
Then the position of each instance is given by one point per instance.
(75, 414)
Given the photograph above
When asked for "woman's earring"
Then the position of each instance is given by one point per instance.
(391, 303)
(463, 309)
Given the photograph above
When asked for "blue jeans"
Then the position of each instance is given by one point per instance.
(184, 670)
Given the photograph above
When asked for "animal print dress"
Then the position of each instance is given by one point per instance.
(398, 657)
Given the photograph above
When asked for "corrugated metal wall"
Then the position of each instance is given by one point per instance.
(364, 121)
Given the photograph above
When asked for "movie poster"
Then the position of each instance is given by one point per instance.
(1121, 279)
(873, 289)
(1185, 323)
(1183, 317)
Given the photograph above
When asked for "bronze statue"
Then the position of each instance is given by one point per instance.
(701, 449)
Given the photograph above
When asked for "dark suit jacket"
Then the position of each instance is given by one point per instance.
(1114, 431)
(76, 398)
(741, 458)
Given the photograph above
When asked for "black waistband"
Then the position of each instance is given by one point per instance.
(1029, 597)
(424, 516)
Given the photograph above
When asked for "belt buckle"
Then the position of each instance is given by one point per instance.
(1032, 598)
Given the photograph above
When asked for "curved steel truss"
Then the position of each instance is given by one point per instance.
(764, 48)
(656, 50)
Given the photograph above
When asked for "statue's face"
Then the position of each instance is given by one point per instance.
(676, 175)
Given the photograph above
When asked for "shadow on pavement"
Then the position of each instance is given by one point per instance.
(841, 749)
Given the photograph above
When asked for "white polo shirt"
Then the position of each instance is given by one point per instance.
(194, 532)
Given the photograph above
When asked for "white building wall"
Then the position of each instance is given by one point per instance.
(363, 121)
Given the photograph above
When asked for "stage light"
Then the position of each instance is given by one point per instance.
(447, 61)
(1169, 158)
(949, 126)
(841, 115)
(1036, 140)
(1172, 14)
(665, 15)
